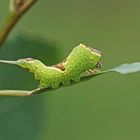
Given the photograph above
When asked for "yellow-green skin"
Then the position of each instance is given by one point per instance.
(80, 60)
(48, 76)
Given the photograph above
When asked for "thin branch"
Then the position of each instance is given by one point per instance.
(19, 93)
(122, 69)
(83, 79)
(13, 18)
(25, 93)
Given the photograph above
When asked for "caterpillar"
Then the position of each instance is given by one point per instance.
(80, 60)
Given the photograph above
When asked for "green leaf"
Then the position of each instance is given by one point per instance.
(126, 68)
(23, 112)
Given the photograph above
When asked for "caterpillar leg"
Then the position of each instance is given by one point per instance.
(89, 72)
(94, 71)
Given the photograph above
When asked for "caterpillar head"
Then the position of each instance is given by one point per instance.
(91, 57)
(95, 58)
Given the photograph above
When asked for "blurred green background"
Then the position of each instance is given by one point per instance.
(104, 108)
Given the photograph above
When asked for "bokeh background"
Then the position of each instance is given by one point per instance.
(104, 108)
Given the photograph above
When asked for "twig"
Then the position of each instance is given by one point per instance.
(83, 79)
(25, 93)
(13, 19)
(19, 93)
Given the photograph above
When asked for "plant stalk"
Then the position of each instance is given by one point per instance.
(12, 20)
(18, 93)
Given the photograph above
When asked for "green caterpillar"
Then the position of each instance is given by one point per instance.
(80, 60)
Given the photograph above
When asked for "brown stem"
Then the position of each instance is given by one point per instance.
(13, 19)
